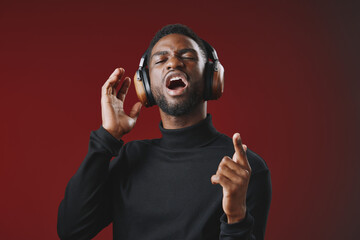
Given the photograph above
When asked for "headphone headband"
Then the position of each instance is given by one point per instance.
(212, 54)
(141, 64)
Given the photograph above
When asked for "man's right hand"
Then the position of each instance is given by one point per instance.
(114, 118)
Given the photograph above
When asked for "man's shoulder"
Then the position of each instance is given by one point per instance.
(256, 162)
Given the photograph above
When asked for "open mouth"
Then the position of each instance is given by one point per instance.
(176, 83)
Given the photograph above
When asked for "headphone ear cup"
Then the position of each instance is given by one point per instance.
(214, 81)
(209, 71)
(147, 87)
(140, 88)
(217, 87)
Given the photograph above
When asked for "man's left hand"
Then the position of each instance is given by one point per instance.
(234, 176)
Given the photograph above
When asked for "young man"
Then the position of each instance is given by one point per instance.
(182, 186)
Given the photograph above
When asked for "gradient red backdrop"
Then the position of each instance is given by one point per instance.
(291, 90)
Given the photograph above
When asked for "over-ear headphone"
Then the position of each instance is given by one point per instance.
(214, 78)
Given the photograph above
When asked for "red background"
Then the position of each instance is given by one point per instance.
(291, 90)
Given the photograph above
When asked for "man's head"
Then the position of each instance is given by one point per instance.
(179, 29)
(176, 61)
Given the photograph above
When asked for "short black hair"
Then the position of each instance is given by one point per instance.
(179, 29)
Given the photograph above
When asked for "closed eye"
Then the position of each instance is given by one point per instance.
(160, 61)
(189, 57)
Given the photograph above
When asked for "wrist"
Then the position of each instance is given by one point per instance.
(115, 134)
(235, 218)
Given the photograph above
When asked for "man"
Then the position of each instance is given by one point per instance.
(161, 188)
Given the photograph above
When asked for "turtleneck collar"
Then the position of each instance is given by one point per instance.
(189, 137)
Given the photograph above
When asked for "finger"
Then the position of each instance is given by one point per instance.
(214, 179)
(116, 72)
(238, 144)
(135, 111)
(124, 89)
(107, 88)
(228, 172)
(222, 180)
(121, 74)
(115, 76)
(238, 177)
(229, 163)
(244, 147)
(240, 154)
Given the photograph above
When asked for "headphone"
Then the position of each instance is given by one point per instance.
(214, 78)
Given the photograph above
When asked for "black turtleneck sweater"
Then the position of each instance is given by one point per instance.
(160, 188)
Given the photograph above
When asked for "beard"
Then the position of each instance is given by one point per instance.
(181, 107)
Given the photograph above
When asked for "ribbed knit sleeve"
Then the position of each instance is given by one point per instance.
(237, 231)
(86, 207)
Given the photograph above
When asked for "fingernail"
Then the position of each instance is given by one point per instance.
(245, 147)
(236, 135)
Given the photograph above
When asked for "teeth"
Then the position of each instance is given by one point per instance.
(175, 78)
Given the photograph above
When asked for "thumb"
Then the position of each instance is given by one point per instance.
(135, 110)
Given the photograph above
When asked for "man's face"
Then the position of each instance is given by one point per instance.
(176, 69)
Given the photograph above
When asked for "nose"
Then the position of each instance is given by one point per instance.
(174, 62)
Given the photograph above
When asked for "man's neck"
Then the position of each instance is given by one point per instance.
(175, 122)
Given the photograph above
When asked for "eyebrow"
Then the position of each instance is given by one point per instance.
(159, 53)
(181, 51)
(185, 50)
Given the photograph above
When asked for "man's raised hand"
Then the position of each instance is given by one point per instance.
(114, 118)
(234, 176)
